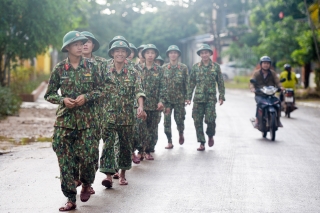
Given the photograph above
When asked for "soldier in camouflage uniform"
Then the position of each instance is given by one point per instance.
(205, 76)
(154, 85)
(118, 114)
(159, 60)
(75, 137)
(176, 74)
(134, 52)
(90, 46)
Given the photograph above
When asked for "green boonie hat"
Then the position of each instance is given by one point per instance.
(95, 41)
(134, 49)
(173, 47)
(204, 47)
(72, 37)
(119, 44)
(141, 47)
(150, 47)
(160, 59)
(118, 38)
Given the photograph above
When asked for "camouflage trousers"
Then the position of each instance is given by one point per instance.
(117, 148)
(207, 110)
(75, 149)
(179, 116)
(152, 130)
(139, 135)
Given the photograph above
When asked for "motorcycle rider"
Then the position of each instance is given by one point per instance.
(265, 77)
(291, 80)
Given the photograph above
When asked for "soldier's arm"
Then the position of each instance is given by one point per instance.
(51, 94)
(219, 80)
(139, 92)
(97, 85)
(192, 84)
(185, 82)
(163, 88)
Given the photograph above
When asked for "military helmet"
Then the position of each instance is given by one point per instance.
(118, 38)
(173, 47)
(134, 49)
(265, 59)
(141, 47)
(94, 40)
(119, 44)
(160, 59)
(204, 47)
(72, 37)
(150, 47)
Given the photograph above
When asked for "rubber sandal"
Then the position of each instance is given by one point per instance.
(85, 194)
(67, 207)
(135, 160)
(211, 142)
(142, 157)
(107, 183)
(78, 183)
(181, 139)
(201, 148)
(169, 147)
(149, 157)
(116, 176)
(92, 191)
(123, 181)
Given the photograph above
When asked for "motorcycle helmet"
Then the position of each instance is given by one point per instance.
(265, 59)
(287, 67)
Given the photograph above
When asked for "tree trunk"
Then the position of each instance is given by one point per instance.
(307, 71)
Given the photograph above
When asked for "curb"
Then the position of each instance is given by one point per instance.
(35, 93)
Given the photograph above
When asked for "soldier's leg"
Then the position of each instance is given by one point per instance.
(197, 115)
(125, 141)
(142, 134)
(167, 124)
(210, 118)
(62, 145)
(156, 133)
(110, 152)
(153, 131)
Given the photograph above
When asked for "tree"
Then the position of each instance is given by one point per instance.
(27, 28)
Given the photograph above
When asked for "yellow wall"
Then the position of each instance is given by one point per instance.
(43, 62)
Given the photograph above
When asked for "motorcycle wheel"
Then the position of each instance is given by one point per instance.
(288, 115)
(273, 126)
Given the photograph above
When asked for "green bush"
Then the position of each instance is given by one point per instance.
(10, 103)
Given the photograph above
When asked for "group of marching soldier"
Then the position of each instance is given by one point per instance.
(121, 102)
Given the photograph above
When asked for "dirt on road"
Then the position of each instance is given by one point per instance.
(31, 125)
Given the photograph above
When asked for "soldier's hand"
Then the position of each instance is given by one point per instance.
(69, 102)
(143, 116)
(167, 111)
(139, 111)
(80, 100)
(187, 102)
(160, 106)
(221, 102)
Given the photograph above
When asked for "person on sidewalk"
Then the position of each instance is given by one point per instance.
(89, 47)
(177, 75)
(205, 76)
(118, 112)
(75, 136)
(155, 89)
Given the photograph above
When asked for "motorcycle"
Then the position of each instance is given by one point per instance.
(287, 104)
(268, 109)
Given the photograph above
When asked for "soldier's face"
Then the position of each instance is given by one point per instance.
(119, 55)
(88, 47)
(265, 65)
(150, 55)
(140, 56)
(75, 48)
(130, 57)
(205, 55)
(173, 55)
(158, 62)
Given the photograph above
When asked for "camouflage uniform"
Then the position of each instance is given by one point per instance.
(75, 137)
(119, 118)
(154, 86)
(177, 78)
(205, 79)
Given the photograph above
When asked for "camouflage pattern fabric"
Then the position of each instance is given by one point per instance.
(179, 113)
(75, 147)
(152, 130)
(117, 148)
(139, 135)
(74, 82)
(208, 111)
(205, 79)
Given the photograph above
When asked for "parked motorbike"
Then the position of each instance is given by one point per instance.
(287, 104)
(268, 109)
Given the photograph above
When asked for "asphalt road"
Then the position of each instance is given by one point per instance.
(242, 172)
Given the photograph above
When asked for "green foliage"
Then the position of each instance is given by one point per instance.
(243, 54)
(10, 103)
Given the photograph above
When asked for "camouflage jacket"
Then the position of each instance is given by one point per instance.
(205, 79)
(119, 102)
(72, 83)
(154, 86)
(177, 81)
(139, 67)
